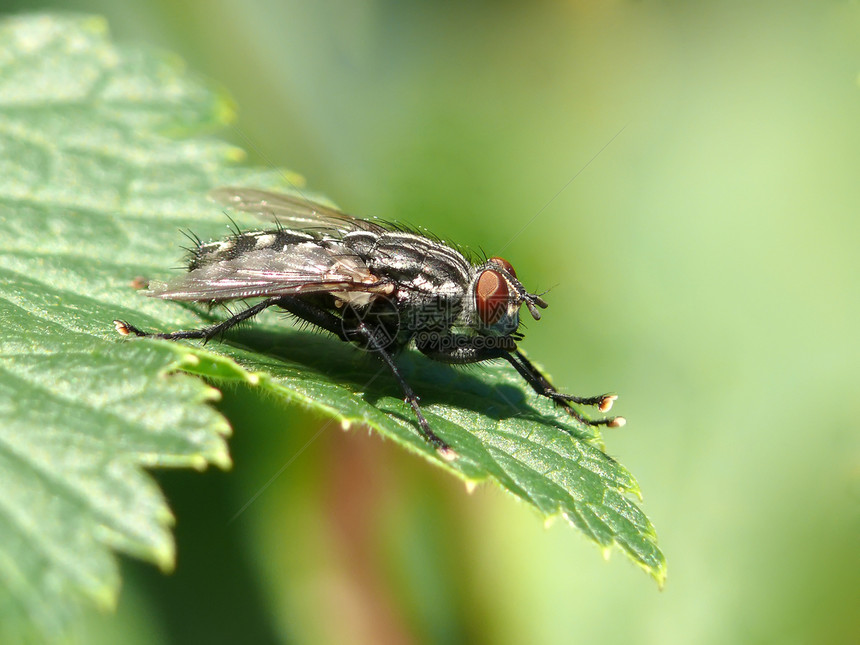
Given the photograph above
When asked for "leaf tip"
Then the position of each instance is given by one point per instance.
(655, 567)
(212, 394)
(659, 574)
(631, 488)
(165, 557)
(190, 360)
(199, 462)
(222, 459)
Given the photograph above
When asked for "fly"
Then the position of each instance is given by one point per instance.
(369, 283)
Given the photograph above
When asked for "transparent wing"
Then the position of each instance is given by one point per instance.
(292, 211)
(305, 268)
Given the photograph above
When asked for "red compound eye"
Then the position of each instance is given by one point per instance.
(491, 296)
(502, 262)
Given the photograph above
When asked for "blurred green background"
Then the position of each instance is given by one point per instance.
(704, 265)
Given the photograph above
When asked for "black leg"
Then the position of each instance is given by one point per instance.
(207, 333)
(456, 349)
(542, 386)
(445, 451)
(332, 323)
(325, 320)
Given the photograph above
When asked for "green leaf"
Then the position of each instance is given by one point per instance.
(99, 169)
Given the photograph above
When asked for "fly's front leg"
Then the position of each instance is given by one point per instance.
(543, 387)
(459, 349)
(374, 343)
(206, 333)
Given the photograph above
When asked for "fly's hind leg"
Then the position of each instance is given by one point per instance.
(206, 333)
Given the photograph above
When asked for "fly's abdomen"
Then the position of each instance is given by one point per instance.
(270, 263)
(238, 245)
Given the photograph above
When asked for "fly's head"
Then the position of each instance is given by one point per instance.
(498, 295)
